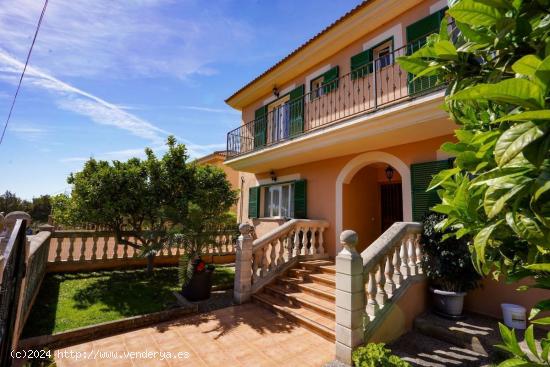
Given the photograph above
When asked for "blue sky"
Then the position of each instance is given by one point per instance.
(108, 78)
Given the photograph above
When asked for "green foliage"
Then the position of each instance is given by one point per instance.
(498, 93)
(376, 355)
(538, 354)
(446, 262)
(39, 208)
(63, 210)
(208, 216)
(151, 198)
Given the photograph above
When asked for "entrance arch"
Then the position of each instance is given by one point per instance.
(352, 167)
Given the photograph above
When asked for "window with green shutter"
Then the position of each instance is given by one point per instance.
(300, 199)
(296, 104)
(361, 64)
(416, 38)
(254, 202)
(330, 80)
(421, 175)
(260, 127)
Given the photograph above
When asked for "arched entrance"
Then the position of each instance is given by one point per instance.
(363, 191)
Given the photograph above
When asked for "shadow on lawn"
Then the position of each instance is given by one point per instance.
(129, 293)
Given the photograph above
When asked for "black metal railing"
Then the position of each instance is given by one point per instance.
(379, 83)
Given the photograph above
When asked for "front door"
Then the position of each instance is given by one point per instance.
(391, 204)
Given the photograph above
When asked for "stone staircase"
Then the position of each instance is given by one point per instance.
(306, 294)
(439, 342)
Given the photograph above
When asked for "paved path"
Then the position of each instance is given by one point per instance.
(245, 335)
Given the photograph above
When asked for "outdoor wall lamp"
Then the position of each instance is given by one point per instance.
(273, 176)
(389, 173)
(275, 91)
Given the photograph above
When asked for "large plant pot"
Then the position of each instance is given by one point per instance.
(199, 286)
(448, 303)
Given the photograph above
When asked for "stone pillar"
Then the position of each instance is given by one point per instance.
(350, 298)
(46, 228)
(243, 265)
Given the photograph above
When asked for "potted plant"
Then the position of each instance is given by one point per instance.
(447, 264)
(199, 284)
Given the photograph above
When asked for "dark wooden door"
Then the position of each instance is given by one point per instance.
(391, 204)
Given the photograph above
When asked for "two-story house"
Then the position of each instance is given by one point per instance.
(337, 136)
(337, 130)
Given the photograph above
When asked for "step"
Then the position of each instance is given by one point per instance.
(311, 276)
(421, 350)
(323, 291)
(317, 304)
(309, 319)
(475, 332)
(320, 266)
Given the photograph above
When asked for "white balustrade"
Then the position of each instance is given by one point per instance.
(388, 263)
(297, 238)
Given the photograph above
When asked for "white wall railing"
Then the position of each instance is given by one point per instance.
(368, 283)
(259, 261)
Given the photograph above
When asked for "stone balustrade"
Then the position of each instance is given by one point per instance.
(261, 260)
(367, 283)
(74, 246)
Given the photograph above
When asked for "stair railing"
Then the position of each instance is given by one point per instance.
(368, 282)
(259, 261)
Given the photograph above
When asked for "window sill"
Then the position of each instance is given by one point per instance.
(273, 219)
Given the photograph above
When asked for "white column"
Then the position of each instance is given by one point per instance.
(350, 298)
(243, 270)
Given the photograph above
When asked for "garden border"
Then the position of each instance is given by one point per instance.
(104, 329)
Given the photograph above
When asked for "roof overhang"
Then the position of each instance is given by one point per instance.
(362, 20)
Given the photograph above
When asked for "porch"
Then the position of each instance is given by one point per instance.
(245, 335)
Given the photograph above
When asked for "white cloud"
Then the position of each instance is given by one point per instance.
(28, 132)
(125, 38)
(82, 102)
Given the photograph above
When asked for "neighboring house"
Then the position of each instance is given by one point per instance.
(338, 134)
(333, 120)
(217, 159)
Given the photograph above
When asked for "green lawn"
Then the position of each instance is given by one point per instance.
(68, 301)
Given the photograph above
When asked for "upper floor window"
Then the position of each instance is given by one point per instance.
(325, 83)
(317, 87)
(383, 54)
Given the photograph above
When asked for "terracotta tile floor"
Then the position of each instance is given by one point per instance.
(245, 335)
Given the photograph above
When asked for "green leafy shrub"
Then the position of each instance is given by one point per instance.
(446, 261)
(376, 355)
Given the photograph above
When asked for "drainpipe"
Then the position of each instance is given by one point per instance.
(241, 201)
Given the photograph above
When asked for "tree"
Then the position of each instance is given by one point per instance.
(41, 208)
(208, 216)
(140, 200)
(497, 71)
(9, 202)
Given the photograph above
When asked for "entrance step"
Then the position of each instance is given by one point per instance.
(475, 332)
(306, 294)
(421, 350)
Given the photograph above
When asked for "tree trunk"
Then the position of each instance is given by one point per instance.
(150, 262)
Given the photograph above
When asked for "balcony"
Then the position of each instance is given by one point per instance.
(370, 88)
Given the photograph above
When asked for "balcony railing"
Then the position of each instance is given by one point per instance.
(379, 83)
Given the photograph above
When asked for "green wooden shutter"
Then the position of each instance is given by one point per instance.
(260, 126)
(254, 202)
(297, 110)
(421, 175)
(300, 199)
(416, 38)
(361, 64)
(330, 80)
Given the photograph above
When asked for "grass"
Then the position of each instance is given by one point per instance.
(68, 301)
